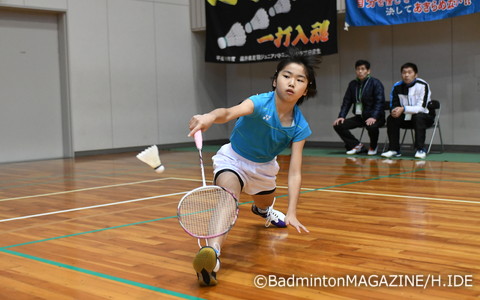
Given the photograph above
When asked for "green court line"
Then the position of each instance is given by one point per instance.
(86, 232)
(171, 217)
(122, 280)
(101, 275)
(137, 284)
(457, 157)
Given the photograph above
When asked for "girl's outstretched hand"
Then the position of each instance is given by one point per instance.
(293, 221)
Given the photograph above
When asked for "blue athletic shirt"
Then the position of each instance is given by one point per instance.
(260, 136)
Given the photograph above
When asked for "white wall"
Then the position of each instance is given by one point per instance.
(465, 87)
(137, 73)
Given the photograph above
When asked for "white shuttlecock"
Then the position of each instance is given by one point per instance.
(151, 157)
(259, 21)
(235, 37)
(281, 7)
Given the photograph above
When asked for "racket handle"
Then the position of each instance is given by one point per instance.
(198, 139)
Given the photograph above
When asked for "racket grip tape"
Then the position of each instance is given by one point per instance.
(198, 139)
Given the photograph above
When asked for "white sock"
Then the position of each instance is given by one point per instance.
(216, 247)
(262, 211)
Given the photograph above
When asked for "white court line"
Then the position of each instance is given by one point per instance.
(402, 196)
(388, 195)
(88, 207)
(198, 180)
(85, 189)
(94, 206)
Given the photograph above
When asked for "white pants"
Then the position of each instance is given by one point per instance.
(256, 177)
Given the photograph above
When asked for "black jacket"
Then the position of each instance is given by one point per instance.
(372, 98)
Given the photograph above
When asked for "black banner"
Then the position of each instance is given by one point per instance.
(244, 31)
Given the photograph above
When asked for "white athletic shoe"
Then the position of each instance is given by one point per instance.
(421, 154)
(372, 151)
(271, 216)
(357, 149)
(391, 153)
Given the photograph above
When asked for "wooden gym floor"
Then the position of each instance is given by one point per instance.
(105, 227)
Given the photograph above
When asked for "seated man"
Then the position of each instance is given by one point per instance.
(366, 95)
(409, 109)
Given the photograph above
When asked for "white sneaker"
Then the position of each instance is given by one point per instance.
(271, 216)
(357, 149)
(391, 153)
(421, 154)
(372, 151)
(275, 217)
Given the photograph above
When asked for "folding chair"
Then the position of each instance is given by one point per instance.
(433, 105)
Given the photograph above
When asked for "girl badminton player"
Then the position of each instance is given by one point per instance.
(267, 124)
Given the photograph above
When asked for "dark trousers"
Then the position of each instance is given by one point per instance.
(343, 130)
(419, 123)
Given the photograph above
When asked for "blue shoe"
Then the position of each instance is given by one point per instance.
(272, 216)
(206, 263)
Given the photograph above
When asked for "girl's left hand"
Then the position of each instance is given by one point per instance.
(293, 221)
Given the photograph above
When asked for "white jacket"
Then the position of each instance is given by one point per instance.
(413, 97)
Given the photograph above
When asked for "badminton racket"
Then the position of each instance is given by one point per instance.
(208, 211)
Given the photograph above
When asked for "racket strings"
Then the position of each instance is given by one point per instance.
(207, 212)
